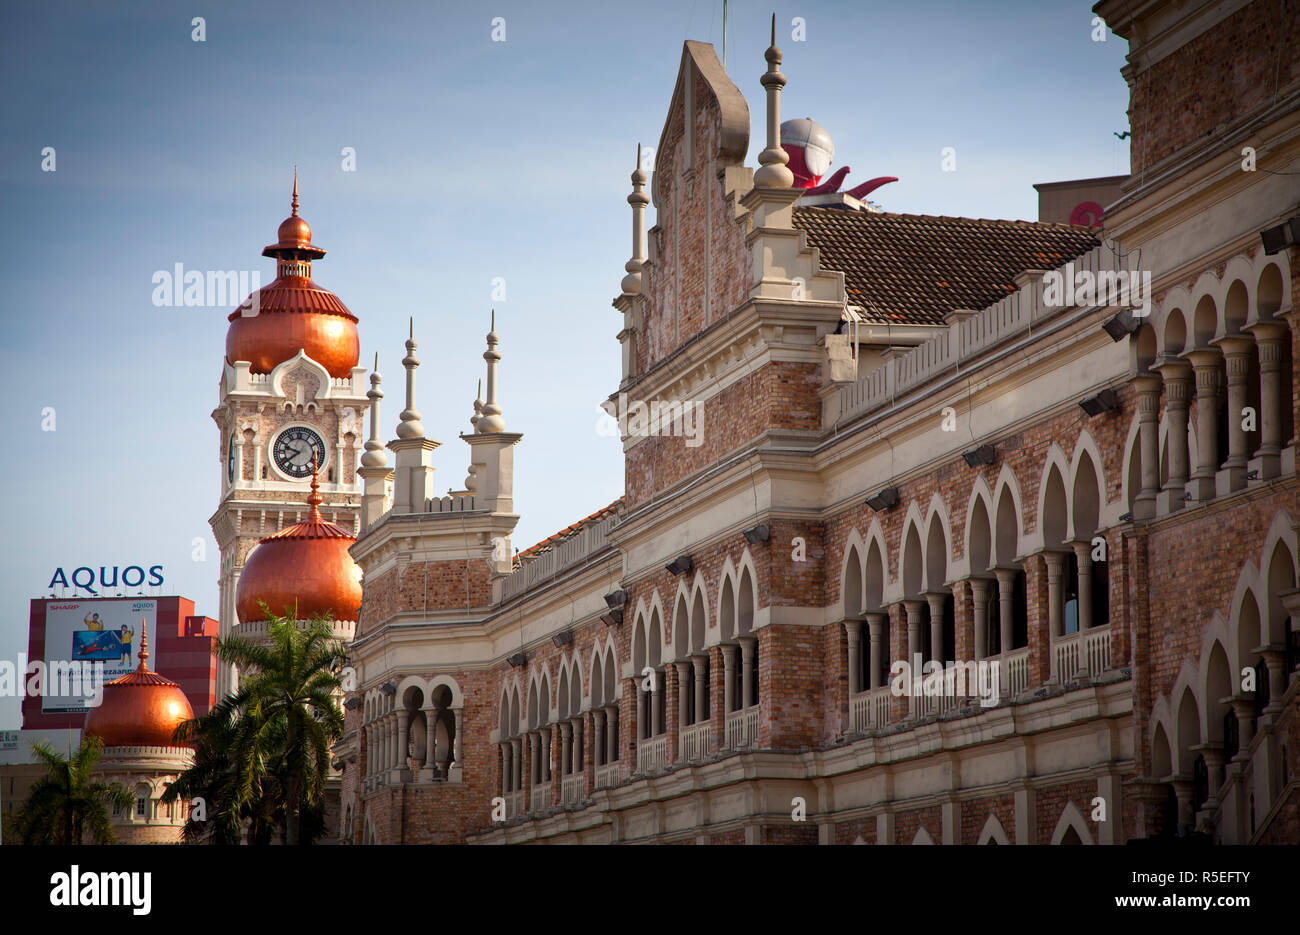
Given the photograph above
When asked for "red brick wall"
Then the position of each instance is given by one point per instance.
(1235, 66)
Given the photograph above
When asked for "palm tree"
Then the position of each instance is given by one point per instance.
(263, 753)
(69, 802)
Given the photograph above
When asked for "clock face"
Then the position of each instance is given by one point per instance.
(294, 450)
(230, 461)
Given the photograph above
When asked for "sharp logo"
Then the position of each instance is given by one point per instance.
(104, 888)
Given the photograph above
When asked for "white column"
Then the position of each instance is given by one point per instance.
(729, 677)
(1083, 556)
(683, 710)
(700, 663)
(877, 626)
(1236, 353)
(1206, 365)
(853, 630)
(1148, 406)
(746, 669)
(1272, 340)
(979, 590)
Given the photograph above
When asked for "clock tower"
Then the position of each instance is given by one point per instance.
(291, 398)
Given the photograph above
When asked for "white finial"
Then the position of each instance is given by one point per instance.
(773, 171)
(374, 455)
(410, 426)
(490, 420)
(638, 200)
(478, 408)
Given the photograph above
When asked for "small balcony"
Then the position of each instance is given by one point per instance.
(1087, 652)
(652, 755)
(571, 789)
(871, 709)
(742, 729)
(607, 775)
(539, 799)
(697, 741)
(514, 804)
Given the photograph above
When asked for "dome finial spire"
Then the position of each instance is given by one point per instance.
(295, 190)
(314, 499)
(144, 645)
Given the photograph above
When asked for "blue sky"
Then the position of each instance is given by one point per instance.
(475, 160)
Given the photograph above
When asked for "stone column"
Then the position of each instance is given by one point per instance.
(746, 670)
(517, 761)
(913, 608)
(598, 732)
(1243, 705)
(546, 734)
(566, 748)
(1275, 659)
(1271, 337)
(1177, 375)
(683, 709)
(1148, 406)
(729, 677)
(642, 722)
(1083, 556)
(458, 714)
(656, 719)
(611, 731)
(393, 753)
(1206, 365)
(505, 768)
(853, 630)
(876, 624)
(1055, 562)
(431, 738)
(936, 601)
(1186, 811)
(1236, 354)
(701, 664)
(1006, 603)
(979, 590)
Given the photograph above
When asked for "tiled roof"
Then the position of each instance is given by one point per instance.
(913, 269)
(567, 532)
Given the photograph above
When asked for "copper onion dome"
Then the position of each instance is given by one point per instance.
(304, 569)
(140, 709)
(293, 313)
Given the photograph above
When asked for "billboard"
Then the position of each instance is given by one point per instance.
(106, 632)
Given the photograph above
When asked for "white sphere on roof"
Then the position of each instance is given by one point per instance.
(809, 146)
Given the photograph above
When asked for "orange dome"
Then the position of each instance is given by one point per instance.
(294, 230)
(293, 314)
(140, 709)
(304, 570)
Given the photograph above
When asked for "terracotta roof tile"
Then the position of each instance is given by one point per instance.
(914, 269)
(567, 532)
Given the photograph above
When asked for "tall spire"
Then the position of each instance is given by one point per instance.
(638, 200)
(410, 426)
(491, 420)
(144, 646)
(295, 191)
(374, 455)
(314, 499)
(773, 172)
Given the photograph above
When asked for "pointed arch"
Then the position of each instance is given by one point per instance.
(993, 832)
(1071, 820)
(922, 836)
(1087, 487)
